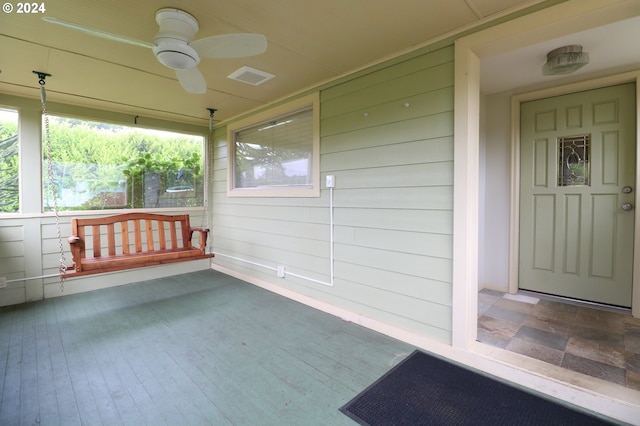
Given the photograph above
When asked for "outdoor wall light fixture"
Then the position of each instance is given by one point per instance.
(565, 60)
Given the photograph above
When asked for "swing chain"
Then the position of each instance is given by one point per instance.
(52, 187)
(207, 168)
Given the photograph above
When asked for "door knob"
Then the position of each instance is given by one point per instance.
(627, 207)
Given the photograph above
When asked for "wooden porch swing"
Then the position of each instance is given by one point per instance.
(157, 240)
(133, 240)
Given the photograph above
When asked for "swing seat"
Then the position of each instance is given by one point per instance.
(133, 240)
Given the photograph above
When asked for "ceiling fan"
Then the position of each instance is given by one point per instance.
(175, 47)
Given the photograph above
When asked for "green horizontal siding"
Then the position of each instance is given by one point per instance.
(400, 153)
(388, 139)
(391, 73)
(433, 245)
(433, 221)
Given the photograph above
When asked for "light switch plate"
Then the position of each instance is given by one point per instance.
(330, 181)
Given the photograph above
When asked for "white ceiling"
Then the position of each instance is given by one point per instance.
(611, 48)
(309, 43)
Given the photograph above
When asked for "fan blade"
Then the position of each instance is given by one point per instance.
(230, 45)
(98, 33)
(192, 81)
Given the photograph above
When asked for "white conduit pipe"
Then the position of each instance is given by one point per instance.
(272, 268)
(16, 280)
(245, 261)
(331, 256)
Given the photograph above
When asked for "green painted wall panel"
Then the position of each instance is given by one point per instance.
(276, 227)
(410, 285)
(391, 176)
(412, 264)
(435, 245)
(410, 66)
(11, 231)
(420, 88)
(278, 255)
(273, 212)
(420, 310)
(434, 221)
(437, 126)
(11, 249)
(12, 266)
(260, 202)
(219, 186)
(414, 152)
(387, 137)
(433, 103)
(413, 198)
(298, 244)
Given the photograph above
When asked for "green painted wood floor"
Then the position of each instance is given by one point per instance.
(195, 349)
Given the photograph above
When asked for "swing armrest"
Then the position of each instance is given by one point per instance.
(76, 246)
(204, 233)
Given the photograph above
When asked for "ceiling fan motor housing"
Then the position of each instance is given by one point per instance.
(177, 29)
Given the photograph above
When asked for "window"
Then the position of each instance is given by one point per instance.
(573, 159)
(99, 166)
(9, 185)
(277, 153)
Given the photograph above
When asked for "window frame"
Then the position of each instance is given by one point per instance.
(310, 101)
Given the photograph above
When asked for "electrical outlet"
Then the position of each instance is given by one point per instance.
(3, 282)
(280, 271)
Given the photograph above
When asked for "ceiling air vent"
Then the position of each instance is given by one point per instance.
(250, 76)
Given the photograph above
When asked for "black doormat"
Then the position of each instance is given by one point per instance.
(424, 390)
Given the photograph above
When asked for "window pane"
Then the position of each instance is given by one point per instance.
(573, 159)
(276, 154)
(9, 192)
(103, 166)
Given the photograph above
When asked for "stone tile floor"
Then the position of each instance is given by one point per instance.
(597, 342)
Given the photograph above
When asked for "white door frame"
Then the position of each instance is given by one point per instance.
(547, 24)
(514, 223)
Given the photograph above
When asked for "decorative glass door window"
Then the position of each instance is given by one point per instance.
(573, 164)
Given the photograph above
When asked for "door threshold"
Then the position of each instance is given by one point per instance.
(577, 302)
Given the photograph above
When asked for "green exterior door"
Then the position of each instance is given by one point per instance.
(577, 177)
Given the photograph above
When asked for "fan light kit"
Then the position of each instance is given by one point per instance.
(177, 29)
(175, 47)
(565, 60)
